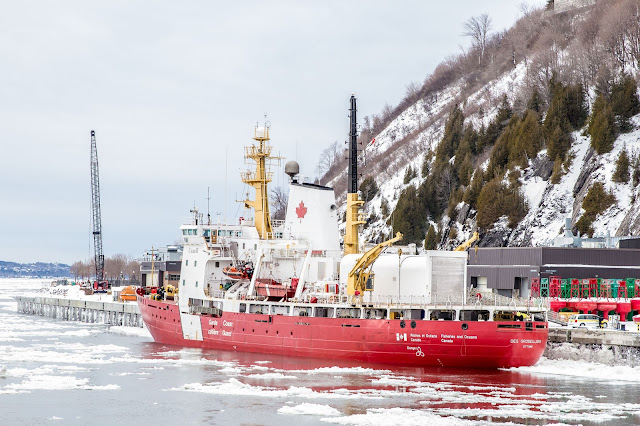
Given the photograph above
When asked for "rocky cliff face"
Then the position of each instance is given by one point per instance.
(406, 141)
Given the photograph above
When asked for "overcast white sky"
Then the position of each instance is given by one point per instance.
(174, 88)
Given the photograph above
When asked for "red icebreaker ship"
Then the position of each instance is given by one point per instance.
(374, 307)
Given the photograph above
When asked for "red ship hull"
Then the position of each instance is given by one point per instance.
(428, 343)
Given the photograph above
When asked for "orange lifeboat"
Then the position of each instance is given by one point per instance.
(128, 293)
(236, 273)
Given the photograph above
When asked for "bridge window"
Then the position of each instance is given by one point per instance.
(442, 315)
(375, 313)
(348, 313)
(302, 311)
(258, 309)
(279, 310)
(407, 314)
(474, 315)
(323, 312)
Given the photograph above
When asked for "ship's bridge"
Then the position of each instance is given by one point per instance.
(193, 232)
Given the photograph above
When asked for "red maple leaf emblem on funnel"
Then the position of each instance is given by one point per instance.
(301, 210)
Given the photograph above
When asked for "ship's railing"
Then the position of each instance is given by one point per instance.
(249, 177)
(205, 310)
(219, 294)
(555, 317)
(494, 299)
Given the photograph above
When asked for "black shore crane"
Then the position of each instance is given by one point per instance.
(100, 284)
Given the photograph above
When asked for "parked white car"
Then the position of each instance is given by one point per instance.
(587, 321)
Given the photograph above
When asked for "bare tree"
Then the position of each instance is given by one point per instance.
(133, 269)
(76, 269)
(478, 29)
(279, 200)
(328, 157)
(115, 265)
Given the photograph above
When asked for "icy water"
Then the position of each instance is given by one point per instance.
(58, 372)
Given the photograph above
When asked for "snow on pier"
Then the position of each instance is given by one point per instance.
(113, 313)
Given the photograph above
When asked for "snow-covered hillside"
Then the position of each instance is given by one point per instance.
(550, 204)
(404, 142)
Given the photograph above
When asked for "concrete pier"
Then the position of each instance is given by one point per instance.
(595, 337)
(113, 313)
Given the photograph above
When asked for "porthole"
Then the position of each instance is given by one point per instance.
(465, 326)
(402, 324)
(413, 324)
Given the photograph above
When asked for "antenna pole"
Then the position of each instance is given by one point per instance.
(354, 203)
(226, 167)
(208, 215)
(353, 148)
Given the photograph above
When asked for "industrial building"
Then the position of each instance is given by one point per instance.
(161, 266)
(508, 270)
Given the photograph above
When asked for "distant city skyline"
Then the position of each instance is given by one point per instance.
(173, 91)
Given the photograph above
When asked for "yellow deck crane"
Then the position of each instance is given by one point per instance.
(464, 246)
(360, 277)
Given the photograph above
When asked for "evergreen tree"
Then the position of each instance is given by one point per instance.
(595, 202)
(499, 155)
(527, 140)
(602, 126)
(472, 192)
(535, 102)
(466, 148)
(558, 143)
(624, 101)
(556, 175)
(384, 207)
(465, 170)
(597, 199)
(408, 175)
(430, 241)
(452, 135)
(425, 166)
(409, 216)
(621, 174)
(496, 200)
(490, 135)
(635, 166)
(368, 188)
(556, 127)
(577, 111)
(583, 226)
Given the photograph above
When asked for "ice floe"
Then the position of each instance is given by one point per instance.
(307, 408)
